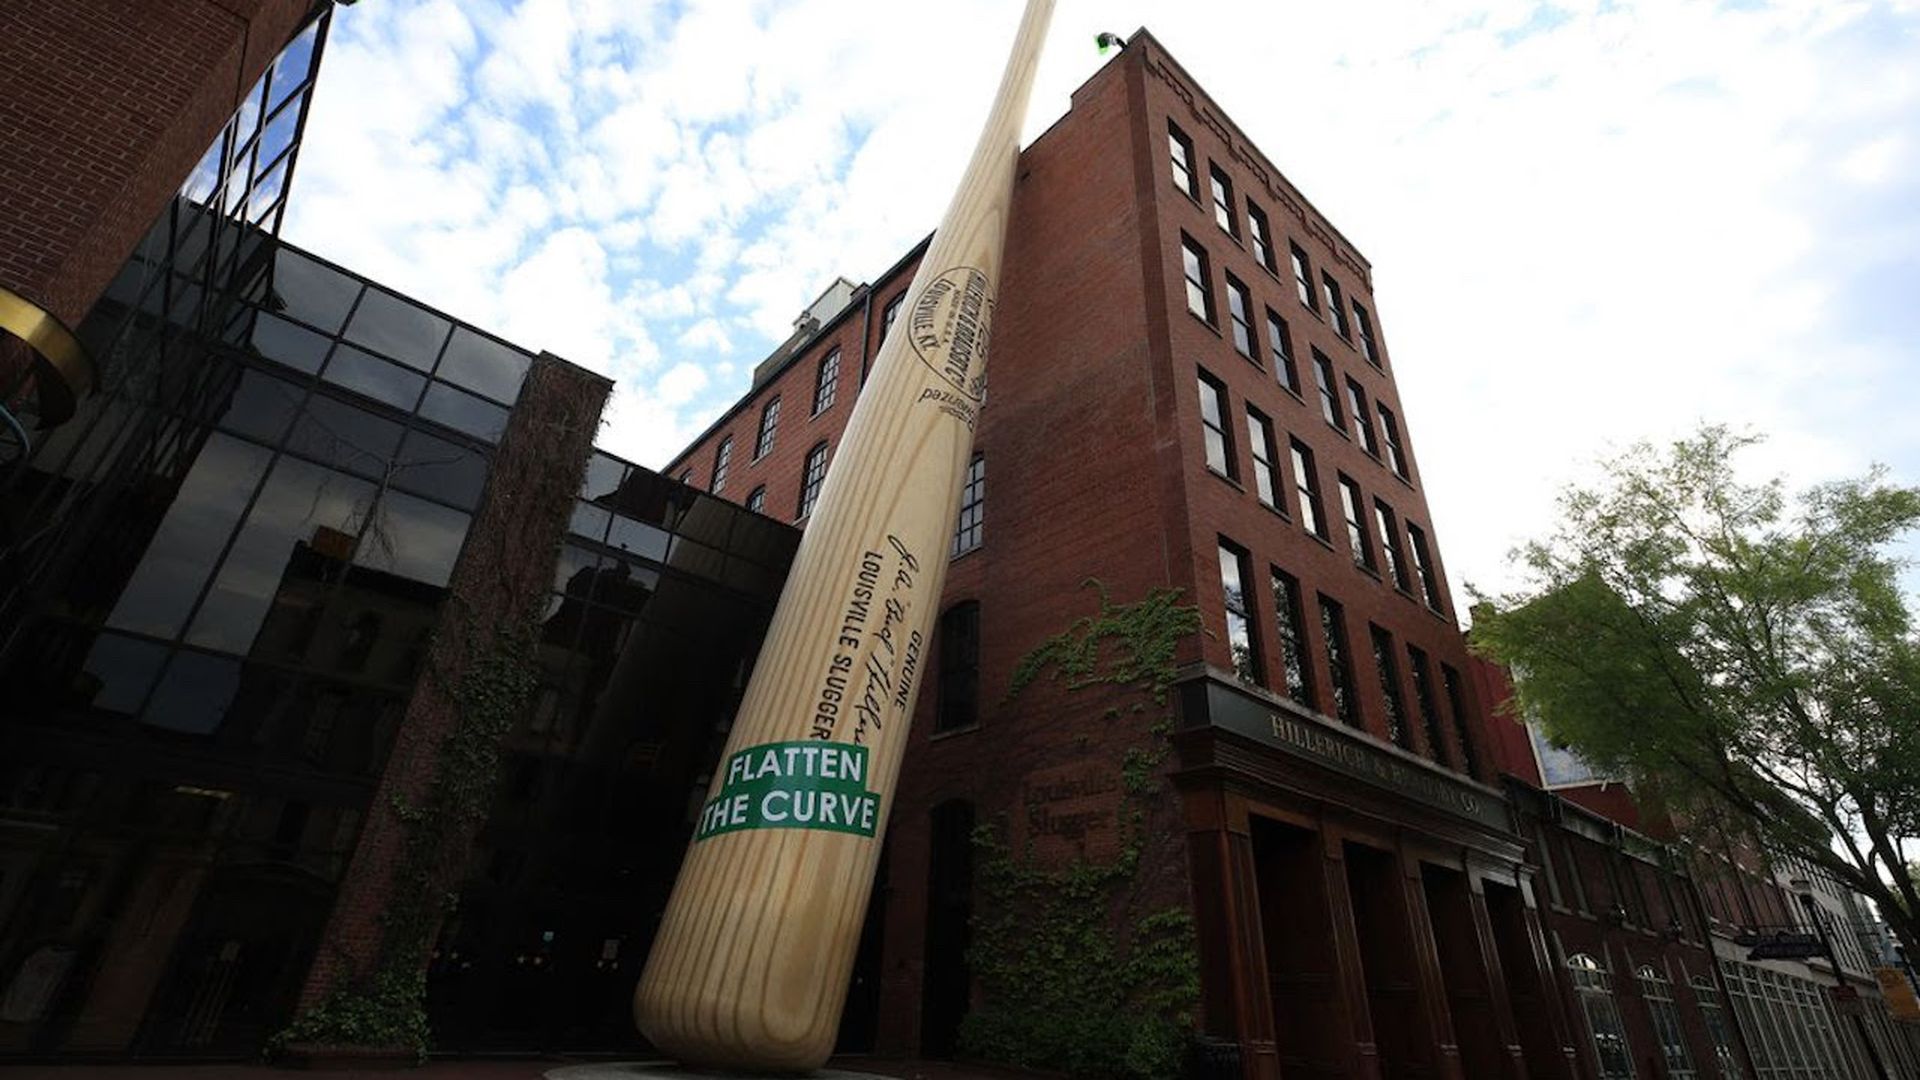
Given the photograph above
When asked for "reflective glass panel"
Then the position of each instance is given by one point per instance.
(301, 507)
(261, 406)
(343, 435)
(413, 538)
(162, 588)
(279, 135)
(484, 365)
(374, 377)
(193, 696)
(604, 473)
(294, 346)
(311, 292)
(405, 331)
(292, 66)
(638, 537)
(463, 412)
(436, 467)
(120, 669)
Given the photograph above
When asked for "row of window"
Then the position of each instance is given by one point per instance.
(1343, 402)
(1341, 698)
(1402, 562)
(1593, 988)
(1260, 235)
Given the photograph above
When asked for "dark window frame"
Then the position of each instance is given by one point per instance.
(722, 460)
(1240, 318)
(969, 525)
(1181, 158)
(1240, 613)
(1390, 434)
(1193, 258)
(1220, 187)
(768, 429)
(1369, 344)
(957, 705)
(1333, 629)
(1260, 451)
(1303, 278)
(1425, 568)
(1353, 509)
(1215, 430)
(1327, 382)
(1289, 617)
(1386, 664)
(826, 382)
(1280, 343)
(1362, 417)
(1388, 523)
(812, 475)
(757, 500)
(1336, 307)
(1260, 235)
(1306, 486)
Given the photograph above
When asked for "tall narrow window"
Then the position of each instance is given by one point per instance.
(1423, 566)
(810, 478)
(1357, 538)
(1390, 430)
(769, 426)
(1180, 154)
(1241, 642)
(1389, 527)
(1291, 627)
(826, 382)
(959, 704)
(1462, 723)
(1657, 991)
(1593, 987)
(1336, 308)
(757, 499)
(1323, 380)
(1193, 262)
(1389, 670)
(1262, 236)
(1428, 705)
(1260, 449)
(722, 458)
(1306, 485)
(1333, 627)
(1303, 277)
(1222, 187)
(1280, 343)
(1713, 1015)
(1362, 419)
(890, 313)
(1213, 422)
(1240, 318)
(686, 476)
(973, 506)
(1364, 323)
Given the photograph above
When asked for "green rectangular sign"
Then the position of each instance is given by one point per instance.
(808, 784)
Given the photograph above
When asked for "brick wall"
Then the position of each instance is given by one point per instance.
(105, 106)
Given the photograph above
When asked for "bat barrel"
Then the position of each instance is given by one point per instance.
(749, 969)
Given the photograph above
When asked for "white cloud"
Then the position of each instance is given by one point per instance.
(1590, 222)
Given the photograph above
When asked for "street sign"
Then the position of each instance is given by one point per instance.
(1784, 945)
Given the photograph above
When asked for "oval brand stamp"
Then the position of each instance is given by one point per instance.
(948, 330)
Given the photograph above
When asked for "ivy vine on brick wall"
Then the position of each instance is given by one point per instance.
(1074, 974)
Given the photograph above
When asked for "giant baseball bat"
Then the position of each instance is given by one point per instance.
(750, 966)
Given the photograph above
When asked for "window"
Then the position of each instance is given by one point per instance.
(686, 477)
(1593, 987)
(1329, 404)
(1213, 413)
(1223, 201)
(1280, 343)
(1389, 527)
(1306, 485)
(1240, 639)
(1193, 261)
(1456, 704)
(1333, 626)
(815, 472)
(1336, 309)
(1428, 705)
(1180, 150)
(1303, 277)
(1364, 324)
(757, 499)
(1657, 991)
(721, 459)
(959, 704)
(1260, 448)
(769, 426)
(1383, 663)
(1362, 419)
(1390, 430)
(826, 382)
(1240, 318)
(973, 506)
(1423, 566)
(1262, 236)
(1290, 625)
(889, 313)
(1713, 1015)
(1358, 541)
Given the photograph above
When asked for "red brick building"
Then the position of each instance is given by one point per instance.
(1190, 390)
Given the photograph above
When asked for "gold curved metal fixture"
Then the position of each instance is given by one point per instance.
(63, 372)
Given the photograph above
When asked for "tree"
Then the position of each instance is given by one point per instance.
(1737, 655)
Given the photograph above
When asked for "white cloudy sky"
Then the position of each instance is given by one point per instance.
(1590, 222)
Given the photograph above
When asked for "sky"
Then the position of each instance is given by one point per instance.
(1590, 223)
